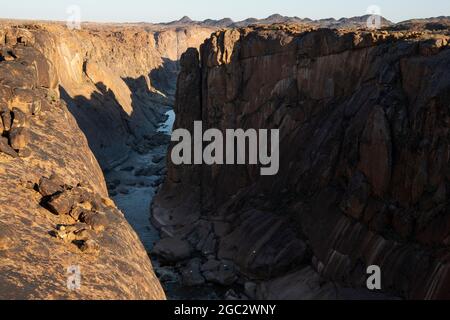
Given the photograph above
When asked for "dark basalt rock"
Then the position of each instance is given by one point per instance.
(364, 162)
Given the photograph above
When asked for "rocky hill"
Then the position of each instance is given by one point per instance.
(364, 172)
(354, 22)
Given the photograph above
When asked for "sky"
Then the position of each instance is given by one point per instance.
(169, 10)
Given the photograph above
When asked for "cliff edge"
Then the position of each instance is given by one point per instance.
(61, 237)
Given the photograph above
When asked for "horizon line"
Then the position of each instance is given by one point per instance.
(216, 19)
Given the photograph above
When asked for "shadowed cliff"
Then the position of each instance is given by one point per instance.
(363, 118)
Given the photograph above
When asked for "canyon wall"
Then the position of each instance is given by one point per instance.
(61, 237)
(364, 168)
(117, 81)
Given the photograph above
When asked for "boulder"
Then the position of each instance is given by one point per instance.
(98, 221)
(172, 249)
(250, 289)
(191, 274)
(220, 272)
(50, 186)
(19, 138)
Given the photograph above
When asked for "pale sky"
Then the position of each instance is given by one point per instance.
(168, 10)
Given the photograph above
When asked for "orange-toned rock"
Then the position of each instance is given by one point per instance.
(35, 264)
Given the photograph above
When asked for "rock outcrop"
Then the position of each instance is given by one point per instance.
(364, 170)
(61, 237)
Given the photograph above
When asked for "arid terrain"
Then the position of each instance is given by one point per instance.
(364, 173)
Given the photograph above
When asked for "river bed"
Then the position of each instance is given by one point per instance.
(132, 185)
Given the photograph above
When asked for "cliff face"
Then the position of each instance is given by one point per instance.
(364, 167)
(55, 214)
(117, 81)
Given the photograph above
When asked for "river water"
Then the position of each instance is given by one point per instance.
(133, 183)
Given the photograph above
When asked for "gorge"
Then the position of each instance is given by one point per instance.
(85, 168)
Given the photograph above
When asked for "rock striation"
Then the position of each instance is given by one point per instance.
(364, 146)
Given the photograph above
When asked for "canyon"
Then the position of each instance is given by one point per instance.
(75, 104)
(364, 137)
(86, 118)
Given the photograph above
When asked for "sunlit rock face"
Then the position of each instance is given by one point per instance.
(117, 81)
(69, 100)
(364, 151)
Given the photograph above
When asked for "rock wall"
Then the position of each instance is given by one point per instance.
(364, 171)
(117, 81)
(55, 214)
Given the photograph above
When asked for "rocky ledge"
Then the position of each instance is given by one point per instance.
(364, 179)
(55, 214)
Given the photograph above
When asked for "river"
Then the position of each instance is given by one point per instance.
(132, 185)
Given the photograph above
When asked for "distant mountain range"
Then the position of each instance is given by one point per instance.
(277, 18)
(437, 23)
